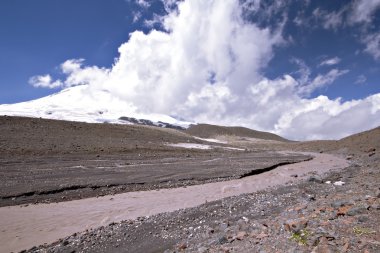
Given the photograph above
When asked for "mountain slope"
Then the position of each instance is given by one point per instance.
(367, 142)
(34, 136)
(209, 131)
(363, 141)
(82, 104)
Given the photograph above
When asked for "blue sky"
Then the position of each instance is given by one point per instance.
(306, 49)
(37, 36)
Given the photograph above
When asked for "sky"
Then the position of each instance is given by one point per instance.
(302, 69)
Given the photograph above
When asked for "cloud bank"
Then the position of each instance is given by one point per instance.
(207, 66)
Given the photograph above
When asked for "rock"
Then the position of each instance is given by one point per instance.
(294, 250)
(261, 236)
(356, 210)
(377, 194)
(333, 215)
(339, 183)
(240, 236)
(223, 226)
(370, 150)
(343, 210)
(315, 178)
(311, 197)
(300, 207)
(202, 250)
(295, 226)
(323, 246)
(245, 219)
(340, 203)
(294, 175)
(222, 240)
(345, 247)
(65, 242)
(224, 250)
(363, 218)
(182, 246)
(321, 232)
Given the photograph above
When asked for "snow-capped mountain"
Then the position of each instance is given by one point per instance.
(80, 103)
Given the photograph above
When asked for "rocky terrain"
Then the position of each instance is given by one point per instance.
(48, 161)
(209, 131)
(337, 212)
(309, 217)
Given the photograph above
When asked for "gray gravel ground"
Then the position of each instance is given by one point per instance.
(307, 217)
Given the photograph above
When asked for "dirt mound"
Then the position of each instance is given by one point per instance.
(367, 142)
(209, 131)
(51, 160)
(30, 136)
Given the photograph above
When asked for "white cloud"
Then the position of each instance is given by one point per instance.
(363, 10)
(300, 21)
(143, 3)
(303, 72)
(361, 79)
(208, 68)
(372, 42)
(330, 20)
(321, 118)
(306, 85)
(136, 16)
(359, 13)
(331, 61)
(44, 81)
(363, 13)
(169, 5)
(156, 71)
(321, 81)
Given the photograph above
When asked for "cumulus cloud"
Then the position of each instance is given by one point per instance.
(322, 118)
(207, 66)
(331, 61)
(44, 81)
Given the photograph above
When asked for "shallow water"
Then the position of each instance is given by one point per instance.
(24, 227)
